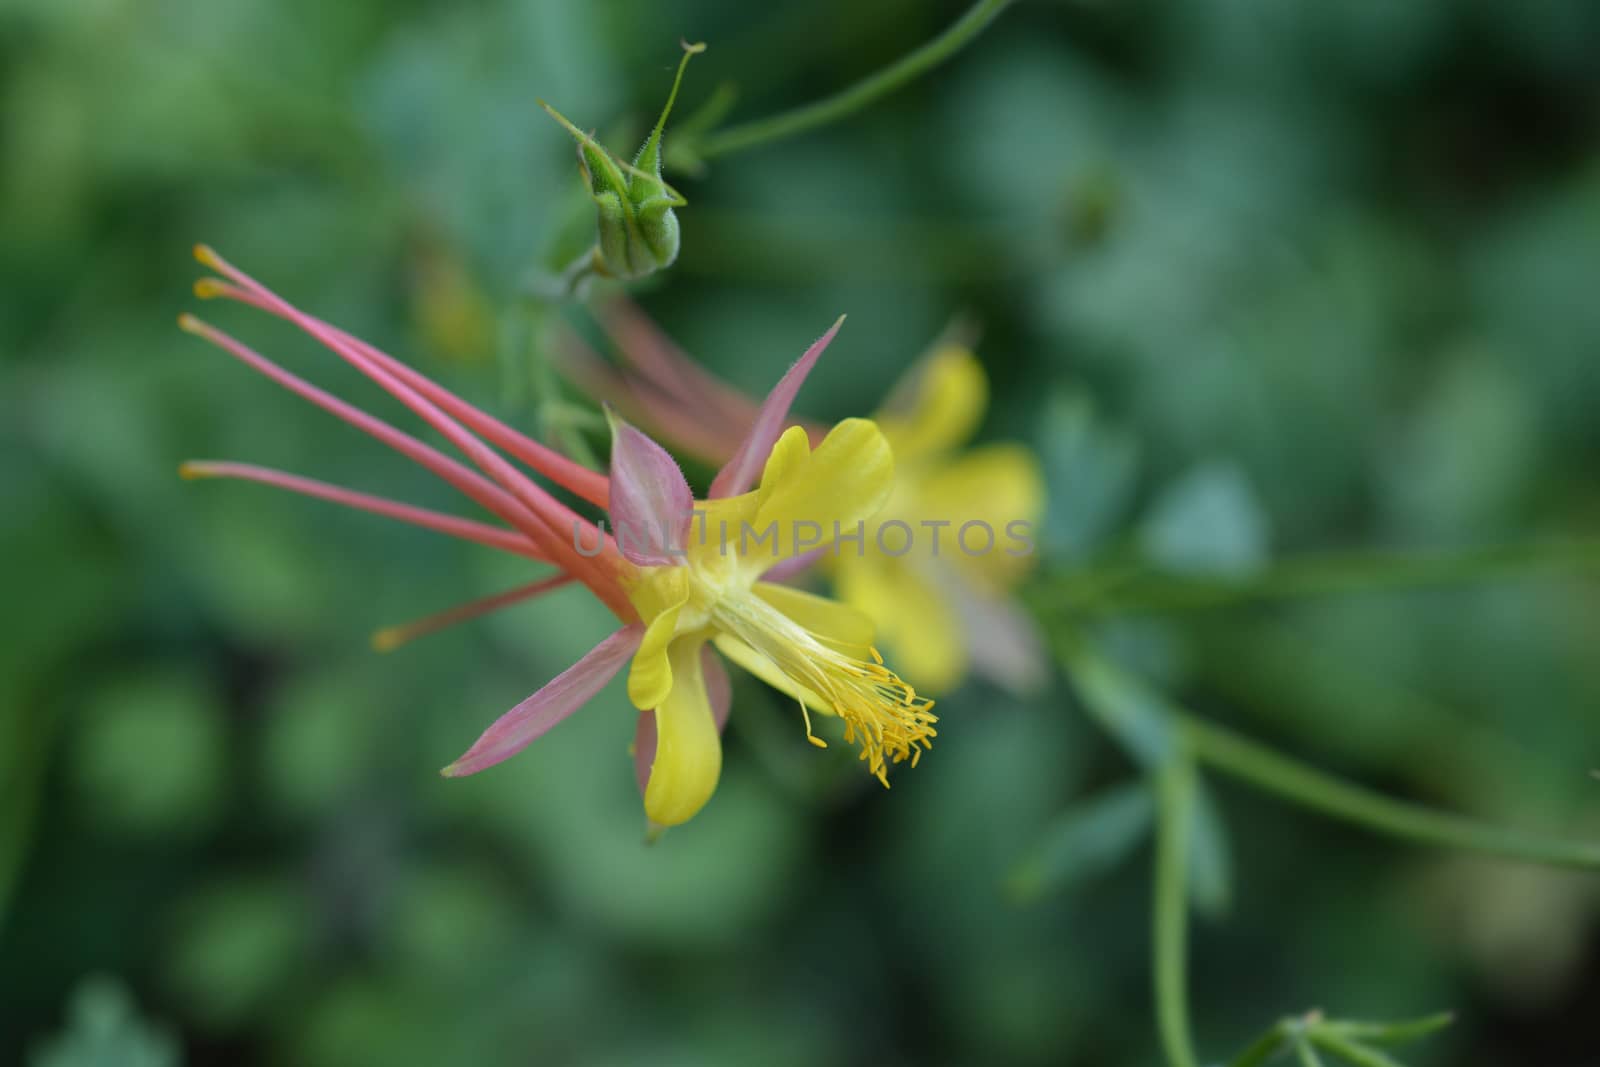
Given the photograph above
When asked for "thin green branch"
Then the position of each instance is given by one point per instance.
(1175, 816)
(1154, 727)
(1310, 788)
(1264, 1048)
(1345, 1037)
(1307, 1055)
(857, 96)
(1126, 589)
(1352, 1052)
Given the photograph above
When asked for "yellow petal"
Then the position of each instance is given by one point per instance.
(838, 623)
(918, 624)
(659, 599)
(688, 750)
(938, 406)
(789, 455)
(994, 483)
(999, 486)
(657, 589)
(742, 654)
(714, 530)
(844, 481)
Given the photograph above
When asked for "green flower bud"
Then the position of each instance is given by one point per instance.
(638, 226)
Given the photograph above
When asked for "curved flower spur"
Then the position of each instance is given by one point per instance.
(677, 590)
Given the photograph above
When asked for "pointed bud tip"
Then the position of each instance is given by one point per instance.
(565, 122)
(452, 771)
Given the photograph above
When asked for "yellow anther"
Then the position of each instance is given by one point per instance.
(805, 714)
(208, 256)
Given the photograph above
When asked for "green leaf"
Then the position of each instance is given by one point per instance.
(1210, 521)
(1345, 1039)
(1305, 1052)
(238, 945)
(104, 1030)
(1210, 856)
(1263, 1048)
(1137, 718)
(148, 754)
(1358, 1055)
(1091, 469)
(1086, 841)
(1389, 1033)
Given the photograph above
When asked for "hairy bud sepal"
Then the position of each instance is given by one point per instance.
(636, 209)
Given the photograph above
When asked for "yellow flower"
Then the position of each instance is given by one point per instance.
(942, 603)
(936, 567)
(681, 577)
(817, 650)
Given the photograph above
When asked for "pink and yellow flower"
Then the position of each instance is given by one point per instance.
(681, 599)
(941, 613)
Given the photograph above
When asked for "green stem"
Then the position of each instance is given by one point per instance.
(1129, 590)
(1295, 782)
(1263, 1049)
(1304, 1051)
(1358, 1055)
(847, 102)
(1175, 801)
(566, 432)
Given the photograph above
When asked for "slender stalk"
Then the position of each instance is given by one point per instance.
(1124, 590)
(1305, 1052)
(848, 101)
(1175, 801)
(567, 432)
(1354, 1053)
(1310, 788)
(1263, 1049)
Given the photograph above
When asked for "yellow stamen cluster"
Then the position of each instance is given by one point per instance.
(881, 711)
(883, 714)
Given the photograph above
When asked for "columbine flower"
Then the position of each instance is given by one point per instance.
(677, 596)
(940, 609)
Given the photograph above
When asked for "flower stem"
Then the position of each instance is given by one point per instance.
(848, 101)
(1175, 801)
(1351, 1052)
(1310, 788)
(1305, 1052)
(1135, 590)
(1264, 1048)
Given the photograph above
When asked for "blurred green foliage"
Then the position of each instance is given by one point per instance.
(1256, 279)
(103, 1031)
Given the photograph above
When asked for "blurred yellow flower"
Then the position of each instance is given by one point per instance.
(942, 604)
